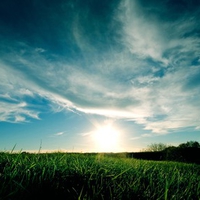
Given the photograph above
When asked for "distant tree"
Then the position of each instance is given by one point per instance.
(193, 144)
(156, 147)
(173, 153)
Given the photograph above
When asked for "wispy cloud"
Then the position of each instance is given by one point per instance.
(16, 113)
(145, 136)
(135, 65)
(59, 133)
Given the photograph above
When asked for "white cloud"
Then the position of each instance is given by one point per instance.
(118, 84)
(59, 133)
(24, 91)
(40, 50)
(17, 112)
(144, 99)
(135, 138)
(19, 118)
(142, 36)
(13, 89)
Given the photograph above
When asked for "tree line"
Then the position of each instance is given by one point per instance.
(185, 152)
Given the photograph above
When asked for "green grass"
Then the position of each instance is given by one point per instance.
(90, 176)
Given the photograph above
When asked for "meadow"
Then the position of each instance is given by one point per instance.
(95, 176)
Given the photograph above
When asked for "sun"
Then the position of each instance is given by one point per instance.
(106, 139)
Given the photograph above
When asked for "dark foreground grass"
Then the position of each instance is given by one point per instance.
(89, 176)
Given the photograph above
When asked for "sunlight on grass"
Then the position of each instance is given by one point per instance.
(95, 176)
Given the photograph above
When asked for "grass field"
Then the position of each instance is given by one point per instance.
(95, 176)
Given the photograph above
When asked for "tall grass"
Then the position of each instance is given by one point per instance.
(90, 176)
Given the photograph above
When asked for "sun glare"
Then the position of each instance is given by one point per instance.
(106, 139)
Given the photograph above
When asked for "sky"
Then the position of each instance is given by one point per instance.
(93, 76)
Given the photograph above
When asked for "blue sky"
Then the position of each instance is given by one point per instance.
(68, 69)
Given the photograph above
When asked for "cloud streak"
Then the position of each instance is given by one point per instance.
(59, 133)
